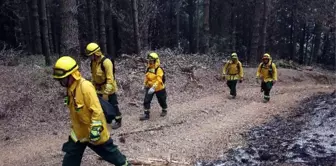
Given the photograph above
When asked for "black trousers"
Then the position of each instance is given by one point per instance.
(161, 96)
(108, 151)
(267, 86)
(232, 85)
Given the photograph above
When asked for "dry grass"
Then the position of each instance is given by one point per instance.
(30, 95)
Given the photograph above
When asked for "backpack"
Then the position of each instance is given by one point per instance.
(108, 109)
(102, 66)
(238, 67)
(156, 69)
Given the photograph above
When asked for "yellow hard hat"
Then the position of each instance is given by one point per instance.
(92, 48)
(234, 55)
(64, 66)
(153, 56)
(266, 56)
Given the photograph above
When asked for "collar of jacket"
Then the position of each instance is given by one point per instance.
(100, 58)
(74, 85)
(233, 62)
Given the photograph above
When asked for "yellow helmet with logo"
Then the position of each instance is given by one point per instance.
(64, 66)
(92, 48)
(234, 56)
(152, 56)
(266, 56)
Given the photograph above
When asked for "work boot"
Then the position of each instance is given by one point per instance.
(266, 100)
(231, 97)
(116, 124)
(163, 113)
(144, 116)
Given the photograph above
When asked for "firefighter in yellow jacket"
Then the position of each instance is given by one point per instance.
(88, 124)
(267, 73)
(103, 70)
(154, 84)
(232, 72)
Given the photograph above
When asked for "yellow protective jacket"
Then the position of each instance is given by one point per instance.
(233, 70)
(154, 79)
(268, 72)
(84, 108)
(104, 81)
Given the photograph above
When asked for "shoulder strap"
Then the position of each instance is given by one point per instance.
(156, 69)
(102, 63)
(238, 67)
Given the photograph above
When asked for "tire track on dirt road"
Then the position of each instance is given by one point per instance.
(219, 129)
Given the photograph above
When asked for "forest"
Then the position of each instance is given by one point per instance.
(302, 31)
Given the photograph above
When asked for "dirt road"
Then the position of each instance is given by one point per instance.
(200, 128)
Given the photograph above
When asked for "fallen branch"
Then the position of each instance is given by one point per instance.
(151, 129)
(155, 161)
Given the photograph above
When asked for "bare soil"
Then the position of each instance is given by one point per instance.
(202, 122)
(305, 137)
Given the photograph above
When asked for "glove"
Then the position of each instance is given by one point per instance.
(241, 80)
(96, 129)
(66, 100)
(105, 97)
(151, 90)
(223, 76)
(108, 88)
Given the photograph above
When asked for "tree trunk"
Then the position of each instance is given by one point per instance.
(111, 45)
(302, 42)
(233, 27)
(82, 26)
(263, 35)
(306, 60)
(317, 42)
(102, 33)
(171, 22)
(136, 26)
(177, 33)
(28, 30)
(293, 39)
(50, 33)
(206, 26)
(45, 38)
(326, 44)
(55, 27)
(254, 57)
(197, 26)
(69, 28)
(37, 35)
(92, 35)
(191, 12)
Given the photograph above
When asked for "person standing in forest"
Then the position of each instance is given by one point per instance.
(267, 73)
(154, 84)
(88, 124)
(232, 72)
(103, 78)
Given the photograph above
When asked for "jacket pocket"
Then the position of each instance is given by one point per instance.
(82, 114)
